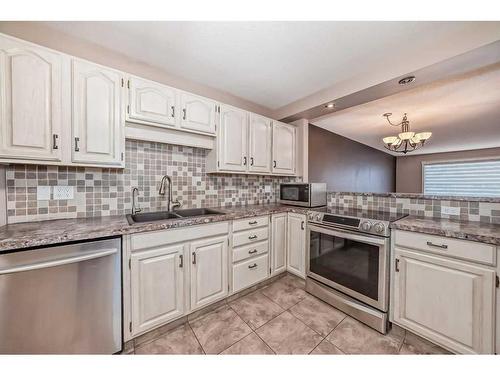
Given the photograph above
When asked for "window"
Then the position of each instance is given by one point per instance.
(475, 178)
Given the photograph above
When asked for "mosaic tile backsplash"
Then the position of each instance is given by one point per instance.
(102, 192)
(469, 210)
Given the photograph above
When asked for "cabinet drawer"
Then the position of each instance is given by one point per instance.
(248, 251)
(250, 272)
(249, 236)
(251, 222)
(461, 249)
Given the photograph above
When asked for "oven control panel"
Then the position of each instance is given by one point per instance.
(376, 227)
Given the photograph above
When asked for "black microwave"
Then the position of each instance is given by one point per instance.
(303, 194)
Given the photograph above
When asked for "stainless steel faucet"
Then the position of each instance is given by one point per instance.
(162, 189)
(135, 193)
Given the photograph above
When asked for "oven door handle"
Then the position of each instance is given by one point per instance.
(366, 238)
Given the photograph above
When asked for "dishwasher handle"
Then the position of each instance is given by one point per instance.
(58, 262)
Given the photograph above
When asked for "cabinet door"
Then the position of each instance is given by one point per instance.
(98, 136)
(198, 113)
(157, 287)
(284, 143)
(208, 271)
(30, 101)
(278, 248)
(259, 150)
(232, 139)
(151, 103)
(446, 301)
(296, 244)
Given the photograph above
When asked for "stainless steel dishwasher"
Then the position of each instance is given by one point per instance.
(63, 299)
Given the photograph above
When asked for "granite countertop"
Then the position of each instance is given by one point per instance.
(42, 233)
(420, 196)
(464, 230)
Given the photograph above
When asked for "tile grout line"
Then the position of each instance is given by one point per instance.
(196, 337)
(253, 331)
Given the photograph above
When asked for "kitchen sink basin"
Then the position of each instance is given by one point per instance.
(190, 212)
(151, 216)
(164, 215)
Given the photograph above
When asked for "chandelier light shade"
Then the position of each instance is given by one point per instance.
(406, 141)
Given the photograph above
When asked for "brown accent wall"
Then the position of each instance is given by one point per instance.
(347, 165)
(409, 168)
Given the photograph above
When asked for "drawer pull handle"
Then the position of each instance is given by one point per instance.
(429, 243)
(252, 251)
(252, 237)
(54, 142)
(253, 222)
(253, 266)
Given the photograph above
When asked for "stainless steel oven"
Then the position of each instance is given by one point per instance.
(348, 261)
(303, 194)
(352, 263)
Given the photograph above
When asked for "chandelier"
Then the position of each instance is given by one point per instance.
(406, 141)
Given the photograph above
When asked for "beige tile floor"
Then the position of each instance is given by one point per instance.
(281, 318)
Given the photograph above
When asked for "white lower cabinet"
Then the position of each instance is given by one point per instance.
(157, 287)
(296, 244)
(250, 272)
(278, 241)
(447, 301)
(209, 266)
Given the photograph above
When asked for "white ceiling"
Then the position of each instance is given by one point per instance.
(462, 113)
(276, 63)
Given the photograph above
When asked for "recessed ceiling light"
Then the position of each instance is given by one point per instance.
(330, 105)
(406, 80)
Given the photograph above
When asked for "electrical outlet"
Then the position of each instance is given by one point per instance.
(43, 193)
(447, 210)
(267, 188)
(63, 192)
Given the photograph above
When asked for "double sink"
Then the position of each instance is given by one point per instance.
(164, 215)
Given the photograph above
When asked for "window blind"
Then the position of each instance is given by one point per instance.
(466, 178)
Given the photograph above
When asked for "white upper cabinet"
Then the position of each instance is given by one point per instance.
(259, 148)
(232, 139)
(97, 114)
(30, 101)
(197, 113)
(284, 148)
(151, 103)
